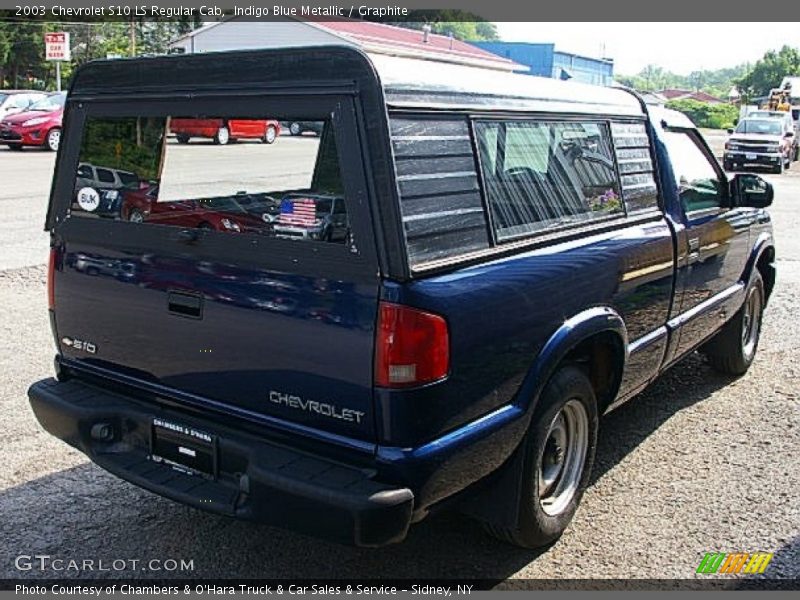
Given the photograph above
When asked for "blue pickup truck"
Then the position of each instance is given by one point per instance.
(522, 256)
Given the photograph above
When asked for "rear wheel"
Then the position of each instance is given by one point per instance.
(559, 452)
(182, 138)
(53, 139)
(733, 349)
(16, 147)
(270, 135)
(223, 136)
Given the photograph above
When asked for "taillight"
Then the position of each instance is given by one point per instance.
(51, 267)
(412, 347)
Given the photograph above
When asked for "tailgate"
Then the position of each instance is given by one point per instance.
(183, 278)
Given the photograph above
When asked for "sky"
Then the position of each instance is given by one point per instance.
(677, 47)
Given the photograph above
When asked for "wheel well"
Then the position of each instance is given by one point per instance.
(767, 270)
(602, 357)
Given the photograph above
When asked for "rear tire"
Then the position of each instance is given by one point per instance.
(733, 349)
(223, 136)
(559, 451)
(15, 147)
(182, 138)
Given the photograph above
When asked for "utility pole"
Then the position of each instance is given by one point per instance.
(132, 44)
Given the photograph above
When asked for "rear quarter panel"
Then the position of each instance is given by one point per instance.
(501, 314)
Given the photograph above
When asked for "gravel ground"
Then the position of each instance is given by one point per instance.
(698, 463)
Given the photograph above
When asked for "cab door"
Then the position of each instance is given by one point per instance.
(713, 247)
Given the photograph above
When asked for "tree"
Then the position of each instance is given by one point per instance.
(461, 25)
(769, 71)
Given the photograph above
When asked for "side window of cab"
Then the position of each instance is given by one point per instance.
(699, 185)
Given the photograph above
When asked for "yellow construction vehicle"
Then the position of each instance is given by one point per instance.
(779, 99)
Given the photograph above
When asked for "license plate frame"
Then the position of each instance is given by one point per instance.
(184, 448)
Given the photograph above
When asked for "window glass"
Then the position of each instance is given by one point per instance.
(190, 173)
(763, 126)
(105, 176)
(698, 183)
(546, 174)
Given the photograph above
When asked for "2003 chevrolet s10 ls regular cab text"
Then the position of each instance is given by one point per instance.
(513, 256)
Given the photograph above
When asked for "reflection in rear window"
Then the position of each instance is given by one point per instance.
(228, 175)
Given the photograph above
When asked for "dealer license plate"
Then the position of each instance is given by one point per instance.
(184, 448)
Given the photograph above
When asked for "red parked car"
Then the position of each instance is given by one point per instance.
(234, 214)
(38, 125)
(223, 131)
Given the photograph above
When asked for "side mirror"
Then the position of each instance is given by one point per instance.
(752, 190)
(789, 134)
(730, 130)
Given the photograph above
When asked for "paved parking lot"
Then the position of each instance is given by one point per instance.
(698, 463)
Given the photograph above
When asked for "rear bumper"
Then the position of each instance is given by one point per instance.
(255, 479)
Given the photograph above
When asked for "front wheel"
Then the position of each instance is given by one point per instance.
(733, 349)
(559, 453)
(778, 170)
(135, 216)
(223, 136)
(53, 139)
(270, 135)
(295, 129)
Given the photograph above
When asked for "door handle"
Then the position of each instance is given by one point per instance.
(694, 244)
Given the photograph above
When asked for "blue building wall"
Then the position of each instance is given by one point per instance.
(544, 60)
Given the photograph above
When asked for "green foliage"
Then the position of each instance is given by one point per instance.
(130, 144)
(703, 114)
(715, 82)
(22, 61)
(768, 72)
(462, 25)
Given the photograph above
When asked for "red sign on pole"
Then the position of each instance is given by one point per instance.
(57, 46)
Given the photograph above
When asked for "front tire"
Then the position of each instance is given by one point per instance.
(223, 136)
(135, 216)
(53, 139)
(270, 135)
(779, 169)
(733, 349)
(182, 138)
(559, 451)
(295, 129)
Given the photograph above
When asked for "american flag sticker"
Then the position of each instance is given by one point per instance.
(300, 212)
